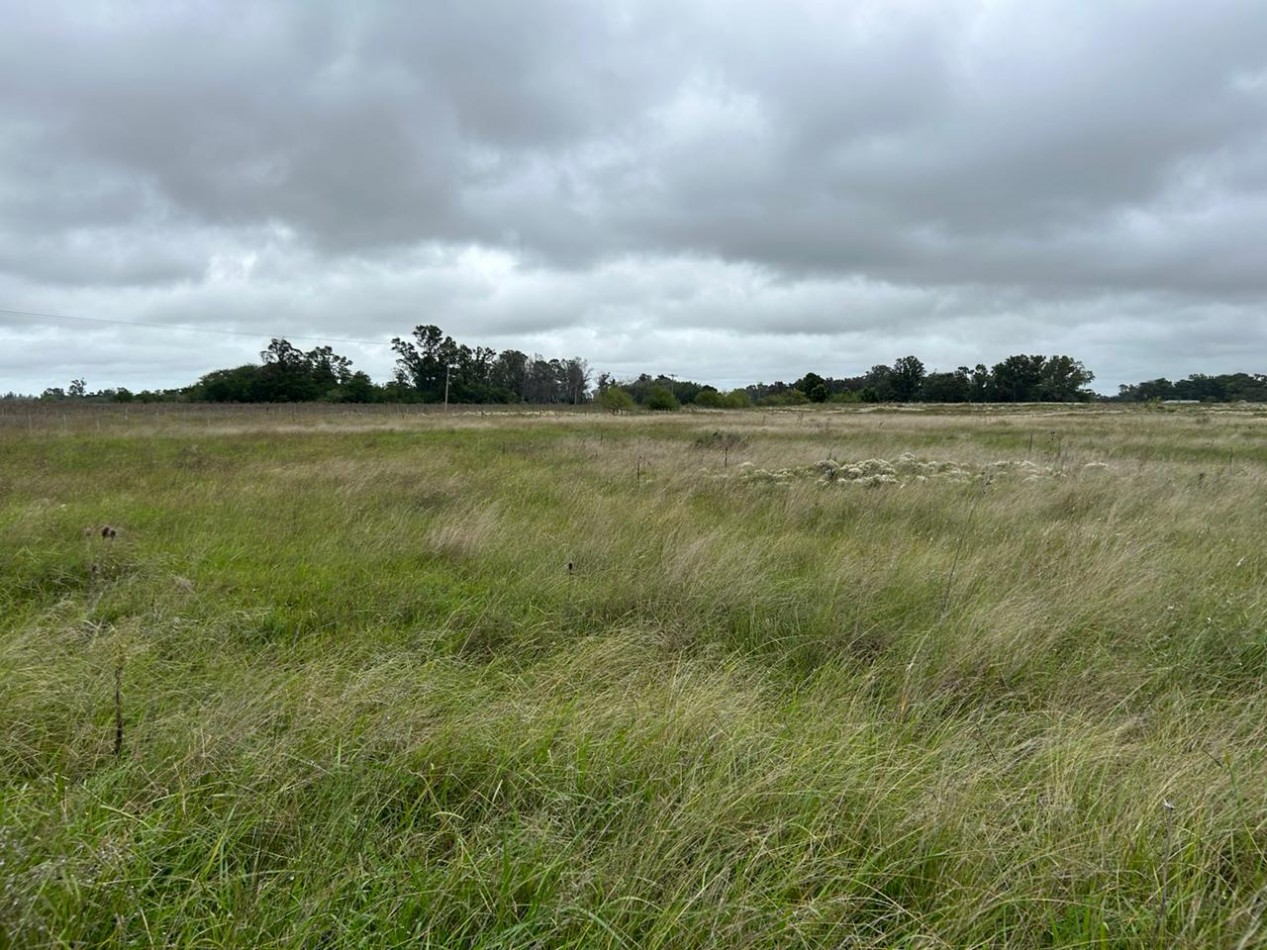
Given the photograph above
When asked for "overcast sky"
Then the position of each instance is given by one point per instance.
(727, 191)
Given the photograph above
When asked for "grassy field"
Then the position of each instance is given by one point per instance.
(755, 679)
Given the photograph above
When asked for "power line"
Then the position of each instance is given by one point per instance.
(185, 329)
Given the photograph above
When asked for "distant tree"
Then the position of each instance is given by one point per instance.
(756, 392)
(1202, 387)
(1018, 379)
(423, 363)
(436, 368)
(358, 388)
(738, 399)
(878, 384)
(906, 378)
(980, 384)
(396, 390)
(327, 369)
(661, 399)
(1228, 387)
(685, 390)
(476, 366)
(286, 375)
(846, 396)
(1243, 386)
(164, 395)
(710, 398)
(509, 373)
(790, 396)
(813, 386)
(946, 387)
(577, 374)
(228, 385)
(615, 400)
(547, 381)
(1063, 380)
(78, 389)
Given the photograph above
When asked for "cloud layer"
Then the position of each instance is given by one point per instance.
(725, 192)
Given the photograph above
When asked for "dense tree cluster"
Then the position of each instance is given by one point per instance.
(1015, 379)
(1232, 387)
(287, 374)
(668, 392)
(433, 367)
(430, 368)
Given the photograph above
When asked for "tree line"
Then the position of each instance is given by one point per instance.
(1230, 387)
(1016, 379)
(1020, 378)
(432, 367)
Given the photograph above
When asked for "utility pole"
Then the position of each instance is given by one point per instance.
(447, 370)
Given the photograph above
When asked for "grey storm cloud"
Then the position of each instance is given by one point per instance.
(742, 191)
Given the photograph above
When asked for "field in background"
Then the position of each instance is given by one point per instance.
(920, 678)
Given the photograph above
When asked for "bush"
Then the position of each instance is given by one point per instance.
(848, 396)
(614, 399)
(660, 399)
(790, 397)
(710, 398)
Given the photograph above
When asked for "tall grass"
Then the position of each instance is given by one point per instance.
(368, 703)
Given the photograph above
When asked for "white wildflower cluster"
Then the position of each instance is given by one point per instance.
(866, 472)
(908, 468)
